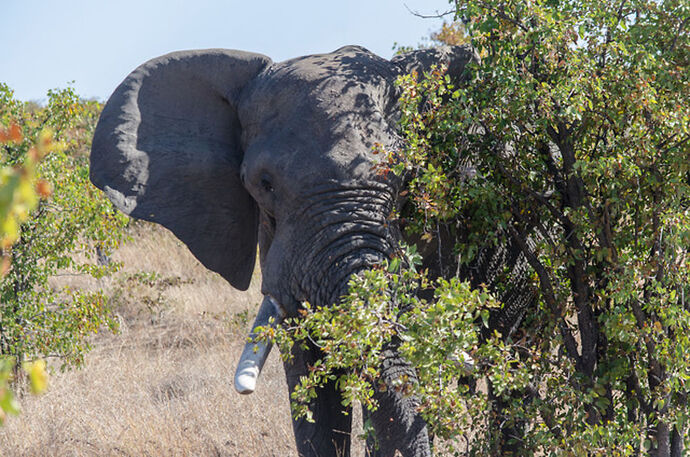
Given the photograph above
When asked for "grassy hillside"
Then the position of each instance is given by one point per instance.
(163, 385)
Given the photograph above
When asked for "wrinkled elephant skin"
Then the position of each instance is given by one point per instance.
(229, 150)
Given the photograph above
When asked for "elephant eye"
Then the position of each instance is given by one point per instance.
(266, 184)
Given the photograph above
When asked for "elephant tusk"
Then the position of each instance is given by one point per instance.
(255, 353)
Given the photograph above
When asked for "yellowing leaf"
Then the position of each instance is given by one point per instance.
(38, 376)
(12, 134)
(43, 188)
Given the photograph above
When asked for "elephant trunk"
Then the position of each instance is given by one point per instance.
(255, 352)
(346, 230)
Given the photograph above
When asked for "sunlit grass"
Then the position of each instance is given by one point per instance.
(163, 385)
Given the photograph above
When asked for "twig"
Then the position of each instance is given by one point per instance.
(429, 16)
(681, 26)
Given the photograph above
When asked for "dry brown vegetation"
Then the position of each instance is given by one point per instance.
(162, 386)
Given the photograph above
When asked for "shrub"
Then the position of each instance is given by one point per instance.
(45, 154)
(575, 124)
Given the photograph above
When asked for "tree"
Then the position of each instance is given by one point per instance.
(45, 154)
(575, 123)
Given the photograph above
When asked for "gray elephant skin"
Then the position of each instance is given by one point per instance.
(229, 150)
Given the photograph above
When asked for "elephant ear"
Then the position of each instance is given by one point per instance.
(167, 149)
(421, 60)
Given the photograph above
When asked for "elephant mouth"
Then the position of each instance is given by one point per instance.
(272, 313)
(256, 352)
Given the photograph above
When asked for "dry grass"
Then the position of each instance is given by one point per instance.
(163, 385)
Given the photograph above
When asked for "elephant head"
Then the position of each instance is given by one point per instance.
(229, 150)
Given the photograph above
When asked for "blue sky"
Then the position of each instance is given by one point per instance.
(46, 44)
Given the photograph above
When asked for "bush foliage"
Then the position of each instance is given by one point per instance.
(575, 122)
(52, 221)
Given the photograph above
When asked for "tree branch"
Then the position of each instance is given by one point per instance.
(548, 293)
(681, 26)
(429, 16)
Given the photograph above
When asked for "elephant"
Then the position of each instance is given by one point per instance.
(230, 150)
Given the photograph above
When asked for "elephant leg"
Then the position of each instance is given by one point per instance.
(396, 422)
(329, 434)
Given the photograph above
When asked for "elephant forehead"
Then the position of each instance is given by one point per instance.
(340, 141)
(332, 106)
(318, 117)
(331, 100)
(309, 159)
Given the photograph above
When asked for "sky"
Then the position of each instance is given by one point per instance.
(47, 44)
